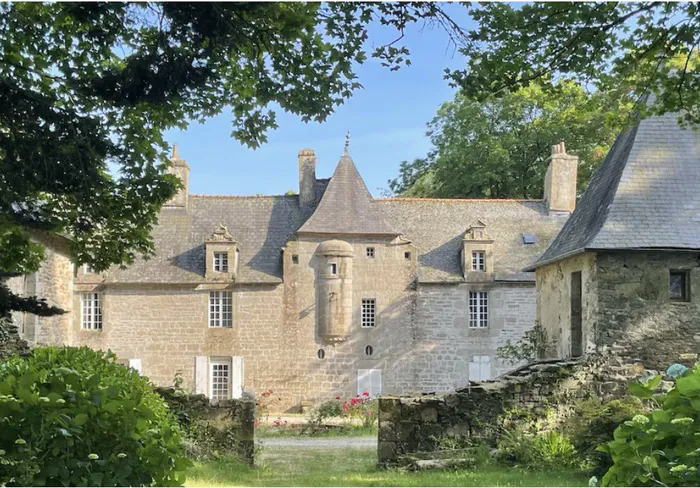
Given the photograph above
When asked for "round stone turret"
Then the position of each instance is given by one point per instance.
(333, 288)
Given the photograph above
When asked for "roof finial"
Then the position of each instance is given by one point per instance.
(347, 142)
(175, 155)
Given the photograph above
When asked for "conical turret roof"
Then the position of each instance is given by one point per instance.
(347, 207)
(645, 195)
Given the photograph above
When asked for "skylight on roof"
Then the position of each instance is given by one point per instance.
(529, 238)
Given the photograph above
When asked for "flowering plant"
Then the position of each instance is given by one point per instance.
(263, 401)
(662, 447)
(361, 407)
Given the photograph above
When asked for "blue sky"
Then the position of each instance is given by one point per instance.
(386, 121)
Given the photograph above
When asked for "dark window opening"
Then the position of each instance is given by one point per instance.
(370, 252)
(334, 268)
(679, 286)
(295, 259)
(321, 354)
(407, 255)
(369, 350)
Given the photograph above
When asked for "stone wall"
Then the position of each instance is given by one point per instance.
(637, 320)
(414, 424)
(554, 303)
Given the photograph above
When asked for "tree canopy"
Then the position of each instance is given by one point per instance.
(87, 85)
(627, 48)
(498, 147)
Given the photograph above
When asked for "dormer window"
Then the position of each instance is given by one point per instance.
(221, 255)
(221, 262)
(478, 260)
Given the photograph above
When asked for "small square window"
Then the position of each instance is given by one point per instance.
(369, 252)
(295, 259)
(334, 268)
(221, 262)
(407, 256)
(679, 286)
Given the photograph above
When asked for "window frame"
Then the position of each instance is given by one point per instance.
(478, 260)
(215, 362)
(368, 313)
(220, 261)
(334, 269)
(370, 252)
(685, 292)
(91, 315)
(478, 307)
(217, 309)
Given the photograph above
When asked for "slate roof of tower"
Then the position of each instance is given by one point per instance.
(347, 207)
(645, 195)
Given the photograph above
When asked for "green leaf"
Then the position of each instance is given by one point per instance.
(80, 419)
(640, 391)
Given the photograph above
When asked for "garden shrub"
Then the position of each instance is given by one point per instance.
(591, 424)
(74, 416)
(525, 448)
(663, 446)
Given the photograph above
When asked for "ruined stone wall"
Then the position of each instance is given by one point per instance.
(637, 320)
(554, 303)
(414, 424)
(445, 344)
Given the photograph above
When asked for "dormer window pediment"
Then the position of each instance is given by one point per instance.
(221, 255)
(477, 253)
(477, 232)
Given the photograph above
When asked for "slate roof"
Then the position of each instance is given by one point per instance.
(437, 226)
(347, 207)
(260, 225)
(645, 195)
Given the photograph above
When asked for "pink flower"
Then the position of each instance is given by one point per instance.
(353, 401)
(368, 414)
(366, 393)
(338, 397)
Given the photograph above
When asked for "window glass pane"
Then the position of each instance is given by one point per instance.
(368, 312)
(678, 285)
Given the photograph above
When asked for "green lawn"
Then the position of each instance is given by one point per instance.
(357, 467)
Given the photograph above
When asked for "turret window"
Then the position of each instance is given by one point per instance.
(221, 262)
(369, 307)
(478, 261)
(334, 268)
(369, 252)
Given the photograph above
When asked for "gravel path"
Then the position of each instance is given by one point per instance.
(320, 442)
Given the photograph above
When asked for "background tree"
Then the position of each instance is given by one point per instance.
(497, 148)
(84, 85)
(626, 48)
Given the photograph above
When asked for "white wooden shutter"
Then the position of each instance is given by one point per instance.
(135, 364)
(375, 388)
(474, 370)
(485, 368)
(201, 375)
(236, 376)
(363, 380)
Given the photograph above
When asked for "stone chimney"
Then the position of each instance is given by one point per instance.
(179, 168)
(560, 180)
(307, 177)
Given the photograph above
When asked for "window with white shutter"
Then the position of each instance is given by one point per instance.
(370, 381)
(135, 364)
(480, 368)
(220, 379)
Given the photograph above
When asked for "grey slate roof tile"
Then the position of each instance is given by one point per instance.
(645, 195)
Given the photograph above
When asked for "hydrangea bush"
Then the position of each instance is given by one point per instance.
(662, 447)
(76, 417)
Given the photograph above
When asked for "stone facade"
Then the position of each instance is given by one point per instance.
(416, 270)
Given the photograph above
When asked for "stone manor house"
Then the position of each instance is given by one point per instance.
(328, 292)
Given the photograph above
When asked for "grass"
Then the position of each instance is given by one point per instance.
(348, 430)
(357, 467)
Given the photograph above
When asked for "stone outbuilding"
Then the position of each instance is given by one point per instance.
(328, 292)
(622, 278)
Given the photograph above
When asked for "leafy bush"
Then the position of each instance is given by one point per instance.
(361, 407)
(661, 447)
(591, 423)
(531, 347)
(74, 416)
(524, 448)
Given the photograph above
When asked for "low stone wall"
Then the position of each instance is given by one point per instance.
(10, 341)
(546, 388)
(228, 425)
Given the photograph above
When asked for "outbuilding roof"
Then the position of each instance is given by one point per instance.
(645, 195)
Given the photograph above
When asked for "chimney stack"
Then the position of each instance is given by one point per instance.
(307, 177)
(179, 168)
(560, 180)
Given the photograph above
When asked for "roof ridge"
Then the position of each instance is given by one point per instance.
(195, 195)
(430, 199)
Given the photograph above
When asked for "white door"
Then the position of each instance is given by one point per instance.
(480, 368)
